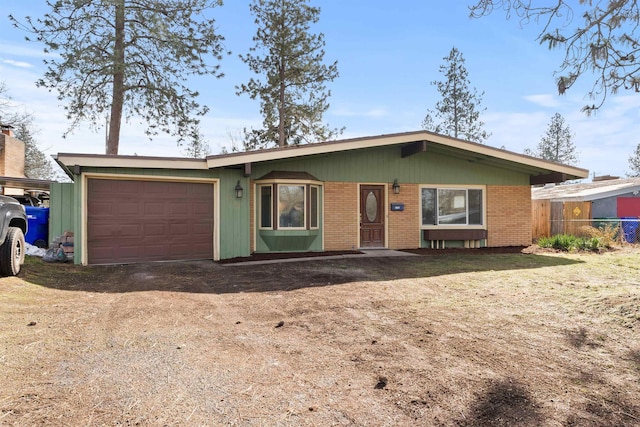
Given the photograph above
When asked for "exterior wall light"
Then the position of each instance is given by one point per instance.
(396, 186)
(239, 190)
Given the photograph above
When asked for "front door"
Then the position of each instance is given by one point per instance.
(372, 216)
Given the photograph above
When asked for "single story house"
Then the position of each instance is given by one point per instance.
(565, 208)
(397, 191)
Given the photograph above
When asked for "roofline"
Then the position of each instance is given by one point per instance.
(590, 197)
(69, 160)
(233, 159)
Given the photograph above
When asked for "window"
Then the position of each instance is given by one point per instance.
(314, 201)
(288, 206)
(452, 206)
(265, 206)
(291, 206)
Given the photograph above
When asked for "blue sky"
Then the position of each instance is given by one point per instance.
(387, 53)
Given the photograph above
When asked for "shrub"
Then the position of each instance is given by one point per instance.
(608, 234)
(568, 242)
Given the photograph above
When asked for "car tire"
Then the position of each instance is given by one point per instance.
(12, 252)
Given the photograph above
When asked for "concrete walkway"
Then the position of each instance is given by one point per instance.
(365, 253)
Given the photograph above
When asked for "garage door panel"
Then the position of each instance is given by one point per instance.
(127, 230)
(179, 250)
(200, 208)
(176, 230)
(124, 188)
(101, 232)
(201, 229)
(179, 209)
(100, 209)
(152, 207)
(128, 207)
(156, 251)
(137, 221)
(154, 230)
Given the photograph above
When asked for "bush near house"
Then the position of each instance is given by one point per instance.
(593, 239)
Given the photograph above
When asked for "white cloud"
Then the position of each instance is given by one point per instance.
(19, 64)
(25, 49)
(544, 100)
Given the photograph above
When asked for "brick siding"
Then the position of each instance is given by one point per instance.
(404, 226)
(340, 216)
(508, 215)
(11, 156)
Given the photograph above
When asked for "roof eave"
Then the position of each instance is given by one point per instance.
(69, 160)
(543, 167)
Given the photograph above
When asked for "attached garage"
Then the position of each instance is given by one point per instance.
(144, 220)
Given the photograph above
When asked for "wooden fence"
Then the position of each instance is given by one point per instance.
(550, 218)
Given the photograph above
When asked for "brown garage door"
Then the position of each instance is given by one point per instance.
(138, 221)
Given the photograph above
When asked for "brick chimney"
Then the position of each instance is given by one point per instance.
(7, 130)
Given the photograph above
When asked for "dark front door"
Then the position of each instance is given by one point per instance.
(372, 216)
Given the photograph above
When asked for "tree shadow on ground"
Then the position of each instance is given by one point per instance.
(215, 278)
(505, 403)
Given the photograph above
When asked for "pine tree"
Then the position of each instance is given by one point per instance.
(292, 87)
(556, 144)
(120, 58)
(459, 109)
(8, 115)
(602, 44)
(36, 164)
(634, 163)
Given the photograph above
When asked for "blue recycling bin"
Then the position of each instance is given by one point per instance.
(38, 226)
(630, 228)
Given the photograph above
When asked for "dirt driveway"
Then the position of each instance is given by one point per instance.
(447, 340)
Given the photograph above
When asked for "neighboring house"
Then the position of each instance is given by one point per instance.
(565, 208)
(397, 191)
(11, 160)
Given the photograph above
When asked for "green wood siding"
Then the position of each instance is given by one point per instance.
(385, 164)
(234, 215)
(61, 209)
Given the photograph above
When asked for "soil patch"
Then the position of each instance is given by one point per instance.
(457, 339)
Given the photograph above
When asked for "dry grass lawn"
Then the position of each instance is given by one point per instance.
(446, 340)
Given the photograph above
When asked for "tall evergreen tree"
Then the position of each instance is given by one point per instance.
(128, 58)
(457, 114)
(36, 164)
(598, 39)
(556, 144)
(634, 162)
(8, 115)
(292, 87)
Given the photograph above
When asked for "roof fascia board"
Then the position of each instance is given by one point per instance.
(105, 161)
(386, 140)
(611, 193)
(305, 150)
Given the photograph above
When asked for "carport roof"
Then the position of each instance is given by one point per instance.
(411, 143)
(586, 192)
(25, 183)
